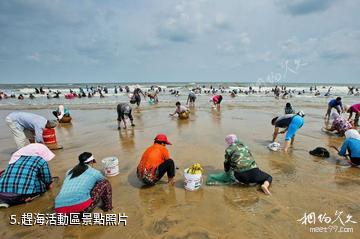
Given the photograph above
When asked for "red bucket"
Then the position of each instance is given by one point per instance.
(49, 136)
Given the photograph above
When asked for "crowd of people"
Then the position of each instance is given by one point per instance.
(135, 92)
(28, 175)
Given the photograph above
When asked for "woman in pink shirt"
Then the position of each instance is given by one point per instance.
(354, 109)
(216, 100)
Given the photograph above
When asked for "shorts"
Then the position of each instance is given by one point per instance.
(296, 123)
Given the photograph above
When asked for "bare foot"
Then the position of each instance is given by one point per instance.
(171, 181)
(265, 188)
(29, 199)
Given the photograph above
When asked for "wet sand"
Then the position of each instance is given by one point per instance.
(301, 182)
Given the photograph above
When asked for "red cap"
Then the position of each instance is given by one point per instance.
(162, 138)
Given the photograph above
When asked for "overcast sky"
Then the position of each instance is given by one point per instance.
(170, 41)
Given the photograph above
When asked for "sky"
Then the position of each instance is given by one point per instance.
(286, 41)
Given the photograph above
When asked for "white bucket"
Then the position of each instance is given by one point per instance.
(111, 166)
(192, 182)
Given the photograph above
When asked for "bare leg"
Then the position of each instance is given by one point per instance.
(292, 140)
(328, 112)
(286, 146)
(171, 181)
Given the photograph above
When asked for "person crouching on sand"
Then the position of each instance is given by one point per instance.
(123, 110)
(291, 124)
(289, 109)
(27, 176)
(339, 124)
(155, 162)
(242, 166)
(351, 145)
(61, 112)
(84, 188)
(181, 110)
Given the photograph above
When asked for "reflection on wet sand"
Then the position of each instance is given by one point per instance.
(302, 183)
(127, 139)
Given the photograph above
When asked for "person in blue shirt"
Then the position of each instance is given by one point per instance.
(25, 126)
(351, 147)
(334, 103)
(291, 124)
(83, 188)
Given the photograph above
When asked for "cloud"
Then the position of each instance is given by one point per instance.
(261, 57)
(239, 44)
(304, 7)
(150, 44)
(34, 57)
(221, 22)
(182, 24)
(295, 48)
(177, 30)
(191, 19)
(337, 45)
(340, 45)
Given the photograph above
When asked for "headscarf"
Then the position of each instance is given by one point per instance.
(352, 134)
(61, 111)
(34, 149)
(334, 115)
(230, 139)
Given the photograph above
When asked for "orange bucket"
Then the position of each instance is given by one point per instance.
(49, 136)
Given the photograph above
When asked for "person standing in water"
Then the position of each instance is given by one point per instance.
(136, 95)
(216, 99)
(123, 110)
(241, 164)
(191, 99)
(334, 103)
(291, 124)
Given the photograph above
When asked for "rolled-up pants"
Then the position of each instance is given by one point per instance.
(21, 137)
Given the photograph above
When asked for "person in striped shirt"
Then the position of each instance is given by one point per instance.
(27, 176)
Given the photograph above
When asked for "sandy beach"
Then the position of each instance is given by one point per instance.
(302, 183)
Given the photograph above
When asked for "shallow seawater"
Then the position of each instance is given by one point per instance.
(301, 183)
